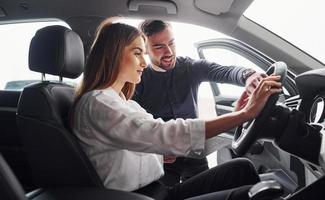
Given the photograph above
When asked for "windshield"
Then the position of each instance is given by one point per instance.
(297, 21)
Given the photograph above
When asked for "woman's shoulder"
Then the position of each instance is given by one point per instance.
(106, 96)
(135, 105)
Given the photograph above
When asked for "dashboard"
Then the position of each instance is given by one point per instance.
(317, 114)
(311, 87)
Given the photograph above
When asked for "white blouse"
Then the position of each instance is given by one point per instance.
(125, 143)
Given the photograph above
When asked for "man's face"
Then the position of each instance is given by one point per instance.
(161, 49)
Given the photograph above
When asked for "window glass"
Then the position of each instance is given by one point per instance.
(297, 21)
(15, 39)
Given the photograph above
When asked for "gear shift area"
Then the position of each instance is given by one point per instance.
(265, 190)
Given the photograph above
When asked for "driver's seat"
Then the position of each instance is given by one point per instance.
(52, 150)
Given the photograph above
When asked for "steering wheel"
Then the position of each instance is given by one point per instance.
(248, 133)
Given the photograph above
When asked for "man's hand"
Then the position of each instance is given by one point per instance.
(252, 82)
(169, 159)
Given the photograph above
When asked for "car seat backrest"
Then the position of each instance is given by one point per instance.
(10, 142)
(55, 156)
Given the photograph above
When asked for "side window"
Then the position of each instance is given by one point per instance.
(15, 40)
(226, 57)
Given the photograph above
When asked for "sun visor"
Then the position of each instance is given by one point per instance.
(213, 7)
(146, 5)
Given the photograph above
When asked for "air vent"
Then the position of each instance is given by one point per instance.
(293, 102)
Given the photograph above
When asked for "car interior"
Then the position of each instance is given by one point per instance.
(41, 159)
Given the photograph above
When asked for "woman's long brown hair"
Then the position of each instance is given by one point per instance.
(104, 60)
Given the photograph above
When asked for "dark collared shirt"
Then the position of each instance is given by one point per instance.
(173, 94)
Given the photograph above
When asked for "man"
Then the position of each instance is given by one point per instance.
(169, 87)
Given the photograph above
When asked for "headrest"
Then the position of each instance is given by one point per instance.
(56, 50)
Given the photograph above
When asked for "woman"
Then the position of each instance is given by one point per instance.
(125, 143)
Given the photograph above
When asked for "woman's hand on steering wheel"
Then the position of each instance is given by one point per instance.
(258, 108)
(257, 100)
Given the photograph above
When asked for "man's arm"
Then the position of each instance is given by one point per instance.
(204, 70)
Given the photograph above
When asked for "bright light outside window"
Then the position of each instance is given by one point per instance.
(295, 21)
(186, 35)
(15, 40)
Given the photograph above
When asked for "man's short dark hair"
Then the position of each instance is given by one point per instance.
(150, 27)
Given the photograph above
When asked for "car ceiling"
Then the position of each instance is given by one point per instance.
(195, 11)
(225, 16)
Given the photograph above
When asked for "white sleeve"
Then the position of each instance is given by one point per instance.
(121, 126)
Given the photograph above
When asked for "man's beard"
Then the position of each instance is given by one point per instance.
(167, 66)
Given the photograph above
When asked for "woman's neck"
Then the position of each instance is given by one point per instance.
(117, 87)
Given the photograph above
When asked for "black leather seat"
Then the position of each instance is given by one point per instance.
(10, 189)
(58, 163)
(52, 150)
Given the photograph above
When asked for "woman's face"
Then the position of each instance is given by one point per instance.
(133, 62)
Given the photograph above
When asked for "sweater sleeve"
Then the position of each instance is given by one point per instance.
(203, 70)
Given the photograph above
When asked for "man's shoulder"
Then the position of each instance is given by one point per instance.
(184, 62)
(184, 59)
(190, 64)
(187, 61)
